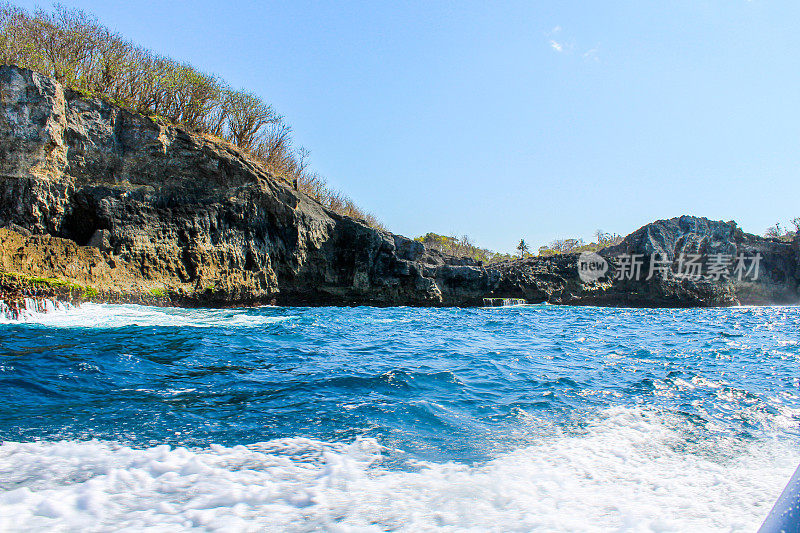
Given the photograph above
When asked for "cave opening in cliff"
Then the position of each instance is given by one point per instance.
(82, 222)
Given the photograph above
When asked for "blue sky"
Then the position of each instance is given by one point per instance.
(516, 119)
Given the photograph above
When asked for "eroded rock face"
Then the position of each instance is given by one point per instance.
(775, 281)
(107, 198)
(183, 212)
(33, 153)
(555, 279)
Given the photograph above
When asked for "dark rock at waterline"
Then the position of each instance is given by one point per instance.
(149, 212)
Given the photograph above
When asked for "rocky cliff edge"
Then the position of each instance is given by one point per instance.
(100, 203)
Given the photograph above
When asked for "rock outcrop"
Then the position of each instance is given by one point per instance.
(672, 245)
(773, 280)
(146, 211)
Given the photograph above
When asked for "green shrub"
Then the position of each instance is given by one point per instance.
(50, 283)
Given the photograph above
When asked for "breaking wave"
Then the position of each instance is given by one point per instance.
(89, 315)
(630, 469)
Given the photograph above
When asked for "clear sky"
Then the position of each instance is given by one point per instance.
(503, 120)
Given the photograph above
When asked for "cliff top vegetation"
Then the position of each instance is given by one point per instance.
(80, 53)
(783, 233)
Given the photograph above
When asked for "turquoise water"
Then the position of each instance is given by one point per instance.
(363, 419)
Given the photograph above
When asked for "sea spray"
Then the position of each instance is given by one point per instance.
(28, 307)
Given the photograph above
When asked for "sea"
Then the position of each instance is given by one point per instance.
(523, 418)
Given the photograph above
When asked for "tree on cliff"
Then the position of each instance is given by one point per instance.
(779, 232)
(573, 246)
(522, 248)
(80, 53)
(460, 247)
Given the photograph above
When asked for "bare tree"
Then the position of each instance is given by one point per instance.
(774, 232)
(74, 48)
(247, 115)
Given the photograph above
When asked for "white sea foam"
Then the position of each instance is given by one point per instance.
(114, 316)
(31, 308)
(631, 470)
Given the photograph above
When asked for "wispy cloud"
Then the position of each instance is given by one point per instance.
(591, 54)
(556, 43)
(562, 44)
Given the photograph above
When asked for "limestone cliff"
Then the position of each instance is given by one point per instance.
(141, 210)
(172, 212)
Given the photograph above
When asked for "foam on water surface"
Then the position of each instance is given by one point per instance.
(88, 315)
(30, 309)
(541, 418)
(630, 471)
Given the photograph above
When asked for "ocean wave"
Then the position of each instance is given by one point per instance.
(30, 308)
(630, 469)
(104, 316)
